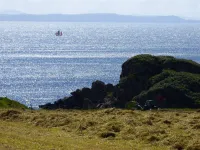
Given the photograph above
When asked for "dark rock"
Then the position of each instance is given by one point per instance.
(110, 88)
(87, 104)
(98, 91)
(86, 93)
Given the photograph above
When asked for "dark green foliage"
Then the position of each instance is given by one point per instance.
(145, 65)
(180, 65)
(151, 65)
(7, 103)
(180, 89)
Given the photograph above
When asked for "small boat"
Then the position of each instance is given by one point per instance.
(58, 33)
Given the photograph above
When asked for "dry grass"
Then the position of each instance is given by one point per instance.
(99, 129)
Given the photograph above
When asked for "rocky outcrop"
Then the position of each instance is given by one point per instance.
(98, 96)
(171, 82)
(138, 72)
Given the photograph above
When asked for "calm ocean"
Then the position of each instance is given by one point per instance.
(37, 67)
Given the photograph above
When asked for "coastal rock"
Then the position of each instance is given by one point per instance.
(170, 82)
(98, 91)
(138, 71)
(85, 98)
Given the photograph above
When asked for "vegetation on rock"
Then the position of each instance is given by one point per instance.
(175, 82)
(180, 89)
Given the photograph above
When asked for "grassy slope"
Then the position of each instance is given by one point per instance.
(7, 103)
(73, 129)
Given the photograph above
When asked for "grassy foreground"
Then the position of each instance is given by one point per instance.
(99, 129)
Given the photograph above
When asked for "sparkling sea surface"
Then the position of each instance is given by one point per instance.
(37, 67)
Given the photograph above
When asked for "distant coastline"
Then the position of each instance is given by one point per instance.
(94, 18)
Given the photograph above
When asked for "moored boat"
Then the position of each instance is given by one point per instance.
(58, 33)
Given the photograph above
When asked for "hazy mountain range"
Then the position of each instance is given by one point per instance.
(19, 16)
(11, 12)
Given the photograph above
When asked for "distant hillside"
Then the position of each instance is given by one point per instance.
(94, 18)
(11, 12)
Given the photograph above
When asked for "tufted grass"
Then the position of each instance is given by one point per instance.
(99, 129)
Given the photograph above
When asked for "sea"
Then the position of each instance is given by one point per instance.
(37, 67)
